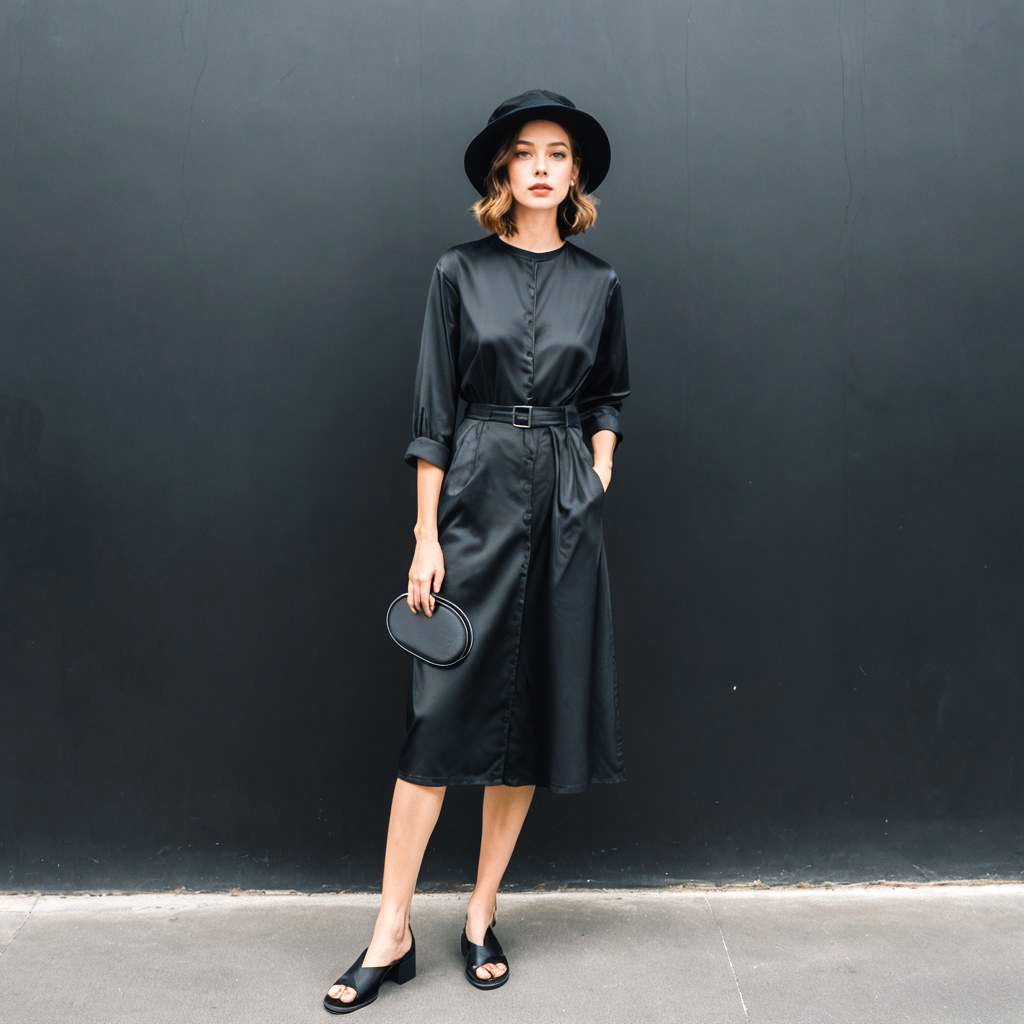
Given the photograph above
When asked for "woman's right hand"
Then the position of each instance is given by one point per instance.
(425, 576)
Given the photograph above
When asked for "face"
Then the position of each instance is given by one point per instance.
(542, 157)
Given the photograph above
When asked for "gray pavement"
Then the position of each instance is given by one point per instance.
(781, 955)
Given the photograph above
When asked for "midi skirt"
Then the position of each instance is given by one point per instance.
(536, 701)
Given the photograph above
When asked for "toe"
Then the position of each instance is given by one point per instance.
(483, 972)
(499, 968)
(348, 994)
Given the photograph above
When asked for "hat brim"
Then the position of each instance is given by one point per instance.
(596, 156)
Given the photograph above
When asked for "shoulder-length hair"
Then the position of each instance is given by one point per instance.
(496, 211)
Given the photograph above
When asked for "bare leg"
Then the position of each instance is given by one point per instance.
(504, 811)
(414, 813)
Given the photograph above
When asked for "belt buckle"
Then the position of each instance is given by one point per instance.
(529, 415)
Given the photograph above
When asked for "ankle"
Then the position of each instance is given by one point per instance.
(393, 922)
(482, 904)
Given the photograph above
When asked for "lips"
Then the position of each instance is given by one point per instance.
(540, 188)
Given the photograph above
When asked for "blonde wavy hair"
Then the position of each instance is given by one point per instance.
(496, 211)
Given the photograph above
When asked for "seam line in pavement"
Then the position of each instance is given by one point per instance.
(3, 949)
(725, 946)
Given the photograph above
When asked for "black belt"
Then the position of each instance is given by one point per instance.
(525, 415)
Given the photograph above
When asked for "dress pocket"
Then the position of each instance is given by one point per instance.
(588, 463)
(467, 444)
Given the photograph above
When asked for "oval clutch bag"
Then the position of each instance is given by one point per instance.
(442, 638)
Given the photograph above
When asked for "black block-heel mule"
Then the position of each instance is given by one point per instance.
(489, 951)
(368, 980)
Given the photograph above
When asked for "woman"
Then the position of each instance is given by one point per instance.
(528, 329)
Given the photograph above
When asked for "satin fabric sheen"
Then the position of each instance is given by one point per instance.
(536, 701)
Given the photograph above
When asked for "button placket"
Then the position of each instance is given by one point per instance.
(531, 319)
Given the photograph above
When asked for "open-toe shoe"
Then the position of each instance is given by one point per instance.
(488, 951)
(368, 980)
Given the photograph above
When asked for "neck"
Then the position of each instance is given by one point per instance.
(535, 229)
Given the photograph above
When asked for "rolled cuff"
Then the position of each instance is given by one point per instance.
(602, 419)
(427, 448)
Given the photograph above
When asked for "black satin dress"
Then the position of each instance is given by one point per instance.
(520, 519)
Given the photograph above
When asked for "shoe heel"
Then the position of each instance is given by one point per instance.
(405, 969)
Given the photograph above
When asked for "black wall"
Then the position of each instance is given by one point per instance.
(218, 224)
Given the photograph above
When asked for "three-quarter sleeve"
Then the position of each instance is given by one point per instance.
(607, 384)
(436, 387)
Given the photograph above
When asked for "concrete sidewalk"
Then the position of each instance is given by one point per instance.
(859, 954)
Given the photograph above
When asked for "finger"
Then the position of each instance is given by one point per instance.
(425, 596)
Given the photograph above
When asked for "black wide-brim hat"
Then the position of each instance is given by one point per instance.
(540, 104)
